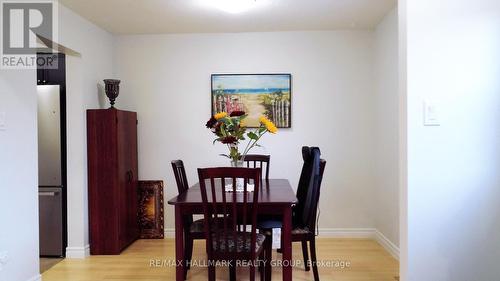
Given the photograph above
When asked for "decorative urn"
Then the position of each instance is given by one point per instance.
(112, 89)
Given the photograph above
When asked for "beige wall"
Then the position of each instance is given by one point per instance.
(84, 75)
(386, 208)
(166, 78)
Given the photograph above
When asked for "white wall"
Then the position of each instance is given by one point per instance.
(19, 176)
(403, 143)
(454, 169)
(386, 207)
(84, 91)
(166, 78)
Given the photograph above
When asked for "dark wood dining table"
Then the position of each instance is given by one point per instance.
(276, 198)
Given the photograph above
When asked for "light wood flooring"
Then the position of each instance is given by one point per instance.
(47, 263)
(368, 262)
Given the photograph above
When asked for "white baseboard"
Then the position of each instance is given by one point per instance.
(169, 233)
(37, 277)
(77, 252)
(367, 233)
(387, 244)
(360, 233)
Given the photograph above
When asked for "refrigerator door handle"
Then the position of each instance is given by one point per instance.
(48, 193)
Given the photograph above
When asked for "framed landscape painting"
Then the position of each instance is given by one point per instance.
(150, 211)
(256, 94)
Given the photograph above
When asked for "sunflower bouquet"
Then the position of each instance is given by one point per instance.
(230, 130)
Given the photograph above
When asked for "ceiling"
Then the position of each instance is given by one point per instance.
(196, 16)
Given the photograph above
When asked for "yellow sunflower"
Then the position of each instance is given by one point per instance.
(271, 127)
(268, 124)
(263, 119)
(243, 123)
(220, 115)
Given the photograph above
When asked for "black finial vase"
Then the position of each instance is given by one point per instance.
(112, 89)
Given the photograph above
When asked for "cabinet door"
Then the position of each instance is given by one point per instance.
(103, 182)
(127, 169)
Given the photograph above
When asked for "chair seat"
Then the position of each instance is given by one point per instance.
(241, 245)
(301, 231)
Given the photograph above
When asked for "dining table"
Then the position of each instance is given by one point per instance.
(276, 198)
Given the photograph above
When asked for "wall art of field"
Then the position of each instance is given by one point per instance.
(256, 94)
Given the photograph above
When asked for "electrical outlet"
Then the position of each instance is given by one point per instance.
(4, 258)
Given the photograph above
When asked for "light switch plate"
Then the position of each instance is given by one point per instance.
(3, 124)
(431, 114)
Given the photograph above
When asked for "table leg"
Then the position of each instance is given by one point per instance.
(179, 244)
(287, 244)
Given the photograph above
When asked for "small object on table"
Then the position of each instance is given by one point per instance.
(239, 188)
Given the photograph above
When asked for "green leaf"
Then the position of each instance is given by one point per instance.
(252, 136)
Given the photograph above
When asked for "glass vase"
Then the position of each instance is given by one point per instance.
(239, 181)
(237, 163)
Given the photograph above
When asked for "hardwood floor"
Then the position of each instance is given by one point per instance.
(47, 263)
(368, 262)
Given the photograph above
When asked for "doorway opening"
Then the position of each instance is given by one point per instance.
(52, 163)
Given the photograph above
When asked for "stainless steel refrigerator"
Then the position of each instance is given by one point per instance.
(50, 188)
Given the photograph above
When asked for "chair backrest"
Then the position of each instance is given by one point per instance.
(225, 211)
(311, 205)
(180, 176)
(309, 188)
(258, 161)
(182, 186)
(304, 180)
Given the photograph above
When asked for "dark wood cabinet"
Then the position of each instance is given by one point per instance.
(52, 76)
(112, 180)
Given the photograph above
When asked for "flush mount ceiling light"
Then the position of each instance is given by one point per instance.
(234, 6)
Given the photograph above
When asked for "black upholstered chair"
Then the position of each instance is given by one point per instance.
(305, 211)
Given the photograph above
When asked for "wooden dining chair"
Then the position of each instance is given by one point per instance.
(268, 222)
(192, 229)
(226, 242)
(258, 161)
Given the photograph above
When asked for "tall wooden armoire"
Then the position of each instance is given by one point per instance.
(112, 180)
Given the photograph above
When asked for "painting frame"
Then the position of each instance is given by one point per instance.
(151, 192)
(283, 122)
